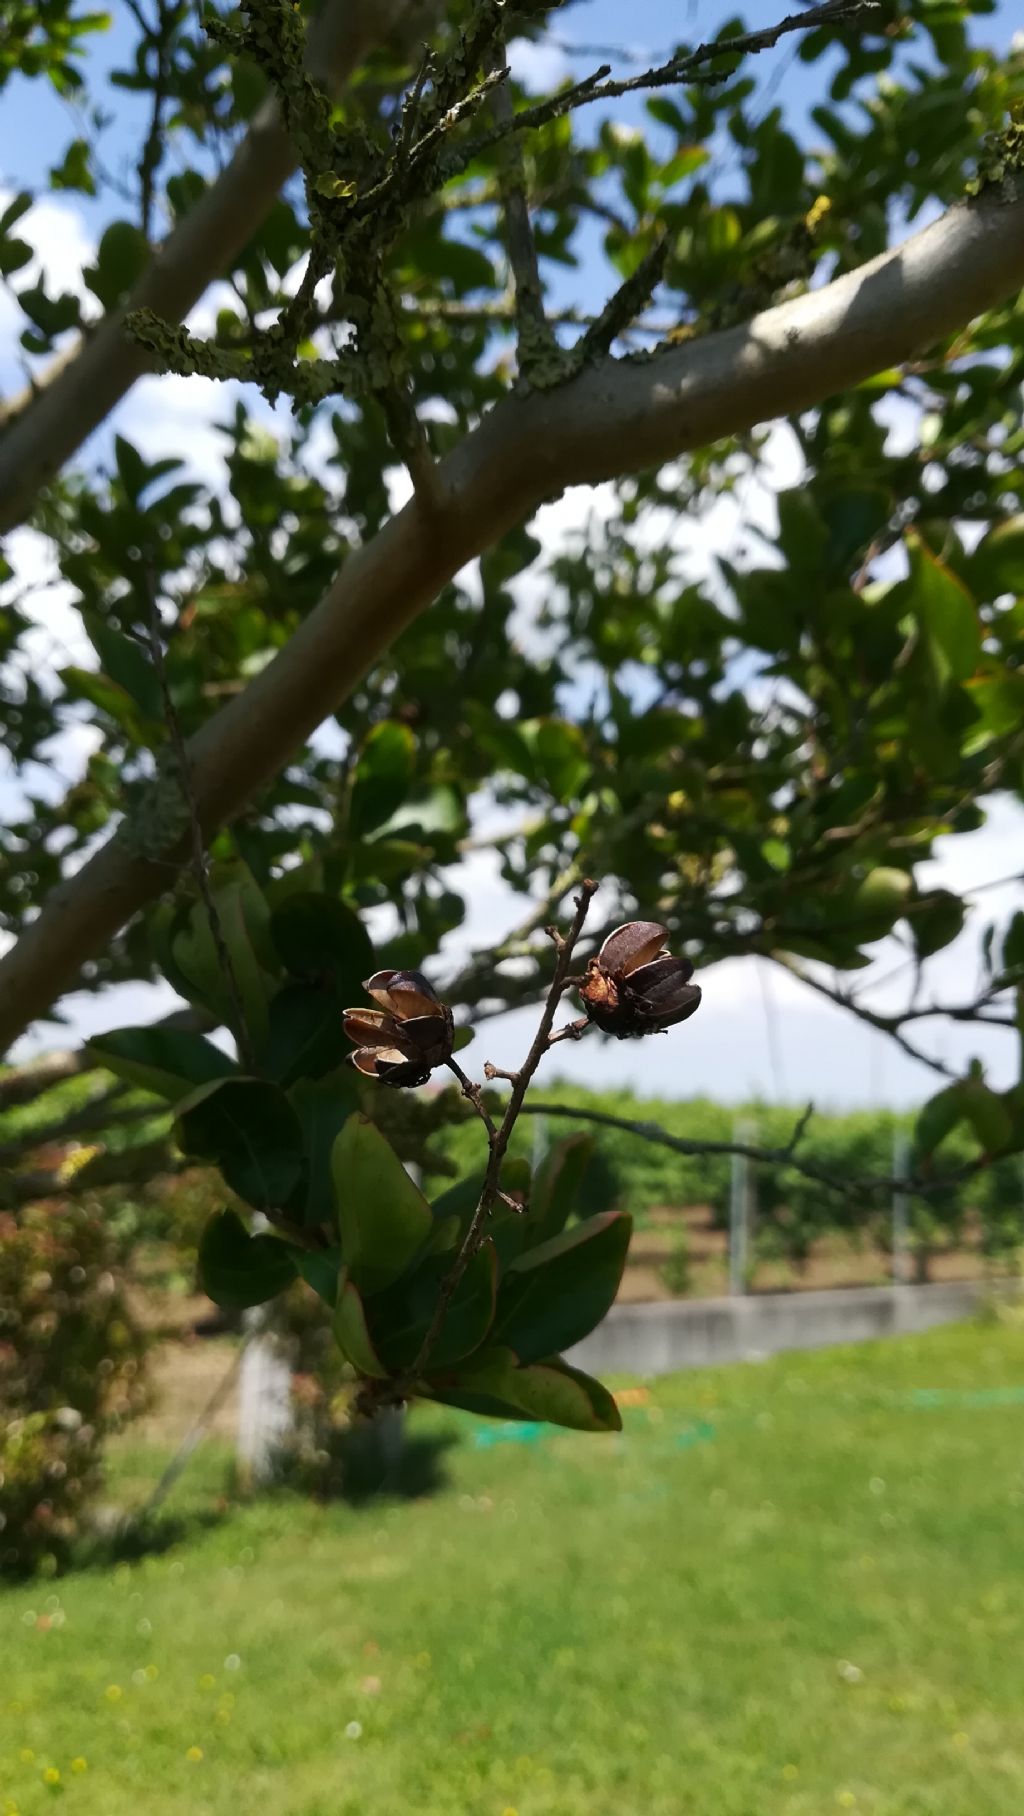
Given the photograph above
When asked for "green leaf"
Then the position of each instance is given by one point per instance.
(1013, 942)
(554, 1295)
(121, 256)
(386, 860)
(321, 1269)
(100, 691)
(945, 608)
(427, 813)
(563, 1395)
(559, 754)
(169, 1061)
(461, 1199)
(401, 1317)
(247, 1128)
(244, 928)
(75, 172)
(989, 1119)
(127, 663)
(323, 1108)
(306, 1034)
(997, 565)
(315, 934)
(353, 1336)
(683, 164)
(935, 921)
(383, 776)
(240, 1270)
(445, 1237)
(936, 1119)
(18, 206)
(551, 1391)
(557, 1185)
(383, 1216)
(877, 903)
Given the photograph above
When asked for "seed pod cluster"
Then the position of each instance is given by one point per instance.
(410, 1033)
(634, 986)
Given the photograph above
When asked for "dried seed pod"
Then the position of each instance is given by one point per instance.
(634, 986)
(411, 1032)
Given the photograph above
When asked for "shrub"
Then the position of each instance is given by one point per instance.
(71, 1371)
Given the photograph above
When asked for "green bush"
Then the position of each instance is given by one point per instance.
(71, 1370)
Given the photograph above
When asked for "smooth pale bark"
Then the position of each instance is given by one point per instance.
(42, 429)
(619, 416)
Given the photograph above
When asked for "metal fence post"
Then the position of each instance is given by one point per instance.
(900, 1208)
(740, 1205)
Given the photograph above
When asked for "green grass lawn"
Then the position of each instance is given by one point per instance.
(788, 1588)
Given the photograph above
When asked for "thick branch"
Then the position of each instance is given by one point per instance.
(45, 426)
(618, 416)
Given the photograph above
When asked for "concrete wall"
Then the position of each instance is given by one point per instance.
(681, 1333)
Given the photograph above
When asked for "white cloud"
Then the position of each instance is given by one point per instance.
(61, 246)
(539, 67)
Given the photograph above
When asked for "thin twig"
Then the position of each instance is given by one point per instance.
(680, 70)
(499, 1141)
(200, 863)
(533, 332)
(158, 37)
(873, 1017)
(871, 1184)
(475, 1095)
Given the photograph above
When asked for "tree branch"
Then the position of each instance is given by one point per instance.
(618, 416)
(875, 1019)
(869, 1186)
(43, 427)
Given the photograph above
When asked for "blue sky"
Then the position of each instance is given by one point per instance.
(759, 1033)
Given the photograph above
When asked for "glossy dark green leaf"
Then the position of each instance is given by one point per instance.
(401, 1317)
(555, 1294)
(316, 933)
(383, 1216)
(321, 1269)
(461, 1199)
(169, 1061)
(556, 1187)
(240, 1270)
(323, 1107)
(305, 1036)
(551, 1391)
(247, 1128)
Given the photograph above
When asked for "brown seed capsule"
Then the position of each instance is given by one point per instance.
(401, 1042)
(634, 986)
